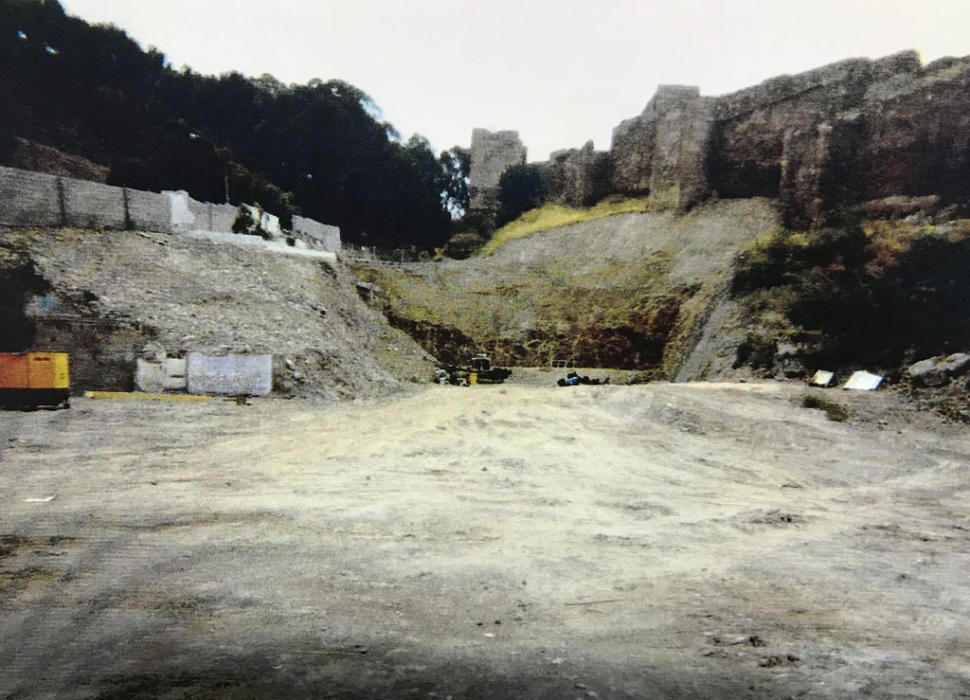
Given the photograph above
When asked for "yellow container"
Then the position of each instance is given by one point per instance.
(47, 370)
(34, 379)
(14, 372)
(34, 370)
(473, 379)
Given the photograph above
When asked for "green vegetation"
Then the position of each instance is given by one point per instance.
(550, 216)
(871, 294)
(833, 410)
(618, 314)
(521, 188)
(319, 149)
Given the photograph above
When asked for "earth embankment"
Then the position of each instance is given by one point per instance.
(632, 291)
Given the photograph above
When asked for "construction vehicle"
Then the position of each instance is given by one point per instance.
(30, 380)
(478, 370)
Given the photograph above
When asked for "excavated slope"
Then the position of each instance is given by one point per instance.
(632, 291)
(109, 298)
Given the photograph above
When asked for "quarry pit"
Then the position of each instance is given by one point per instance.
(652, 541)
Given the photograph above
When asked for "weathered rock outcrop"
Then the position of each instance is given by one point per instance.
(579, 177)
(663, 151)
(821, 142)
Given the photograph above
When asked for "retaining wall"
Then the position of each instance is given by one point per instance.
(93, 205)
(38, 199)
(317, 235)
(29, 199)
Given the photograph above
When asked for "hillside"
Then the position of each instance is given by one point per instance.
(631, 291)
(79, 93)
(724, 291)
(115, 296)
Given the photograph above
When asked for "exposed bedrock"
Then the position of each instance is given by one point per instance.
(821, 142)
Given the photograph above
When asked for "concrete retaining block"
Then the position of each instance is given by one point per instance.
(93, 205)
(232, 375)
(149, 377)
(148, 211)
(28, 199)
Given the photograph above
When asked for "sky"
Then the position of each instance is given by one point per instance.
(560, 72)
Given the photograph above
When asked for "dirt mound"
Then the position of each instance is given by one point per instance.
(30, 155)
(114, 297)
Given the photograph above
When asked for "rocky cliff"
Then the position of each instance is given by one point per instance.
(823, 143)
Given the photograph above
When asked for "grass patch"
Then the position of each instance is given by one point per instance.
(833, 409)
(550, 216)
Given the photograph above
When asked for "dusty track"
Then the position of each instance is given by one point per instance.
(650, 541)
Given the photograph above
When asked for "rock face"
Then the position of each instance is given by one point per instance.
(492, 153)
(663, 152)
(578, 177)
(937, 371)
(822, 142)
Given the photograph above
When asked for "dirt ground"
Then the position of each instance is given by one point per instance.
(652, 541)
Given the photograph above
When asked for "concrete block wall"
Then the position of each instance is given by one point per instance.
(221, 217)
(318, 236)
(148, 211)
(189, 214)
(232, 375)
(29, 199)
(184, 212)
(38, 199)
(93, 205)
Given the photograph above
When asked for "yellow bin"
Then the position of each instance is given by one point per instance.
(34, 379)
(473, 379)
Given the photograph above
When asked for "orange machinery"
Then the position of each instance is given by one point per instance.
(34, 380)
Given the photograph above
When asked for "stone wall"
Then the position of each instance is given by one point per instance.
(38, 199)
(820, 141)
(663, 152)
(103, 351)
(579, 177)
(492, 153)
(29, 199)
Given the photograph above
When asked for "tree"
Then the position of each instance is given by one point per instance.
(322, 147)
(521, 188)
(455, 164)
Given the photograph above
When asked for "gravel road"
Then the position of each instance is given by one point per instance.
(690, 540)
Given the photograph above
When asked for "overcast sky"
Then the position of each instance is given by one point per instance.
(558, 71)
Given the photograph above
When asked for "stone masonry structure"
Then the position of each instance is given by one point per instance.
(492, 153)
(30, 199)
(842, 137)
(578, 177)
(663, 151)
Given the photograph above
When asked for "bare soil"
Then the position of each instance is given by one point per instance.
(698, 540)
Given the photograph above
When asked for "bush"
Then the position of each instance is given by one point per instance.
(833, 410)
(521, 188)
(873, 293)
